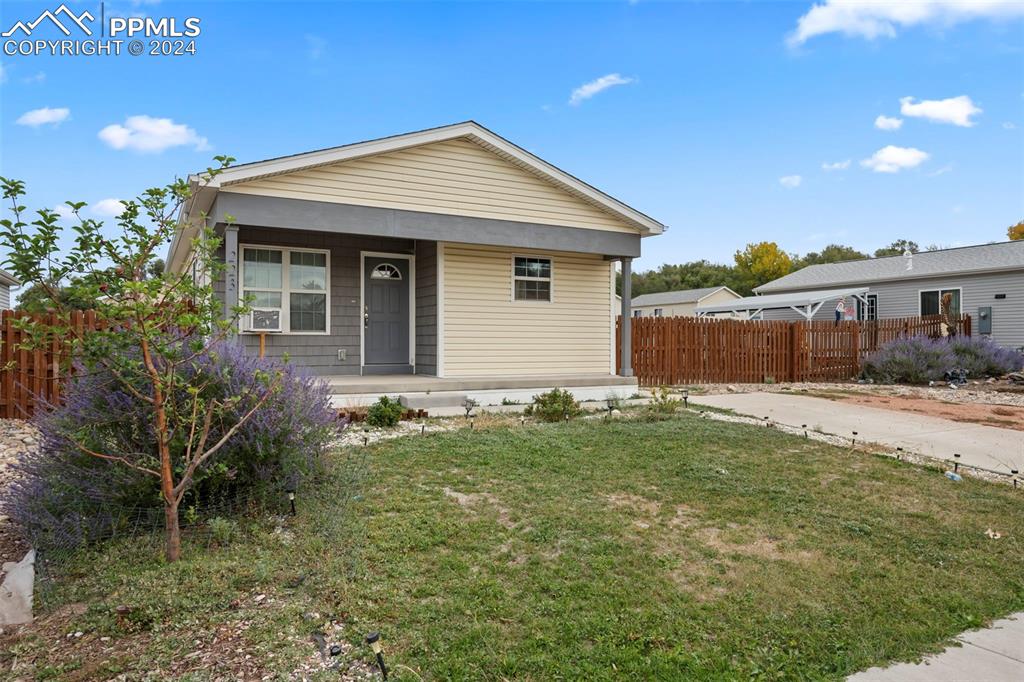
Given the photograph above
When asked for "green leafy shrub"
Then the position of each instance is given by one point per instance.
(554, 406)
(385, 413)
(663, 401)
(222, 530)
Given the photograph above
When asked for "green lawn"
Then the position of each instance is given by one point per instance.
(678, 549)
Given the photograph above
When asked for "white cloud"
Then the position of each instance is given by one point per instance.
(316, 47)
(44, 116)
(3, 73)
(892, 159)
(108, 208)
(888, 123)
(948, 168)
(790, 181)
(148, 134)
(955, 110)
(64, 211)
(838, 165)
(588, 90)
(873, 19)
(37, 77)
(1009, 125)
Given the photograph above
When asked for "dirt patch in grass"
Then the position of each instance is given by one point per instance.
(1002, 416)
(475, 501)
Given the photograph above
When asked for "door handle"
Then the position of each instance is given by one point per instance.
(366, 318)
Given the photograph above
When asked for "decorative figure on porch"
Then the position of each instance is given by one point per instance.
(840, 310)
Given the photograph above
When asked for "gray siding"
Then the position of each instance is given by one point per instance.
(901, 299)
(5, 297)
(319, 352)
(426, 308)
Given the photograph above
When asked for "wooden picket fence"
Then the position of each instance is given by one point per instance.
(688, 350)
(36, 375)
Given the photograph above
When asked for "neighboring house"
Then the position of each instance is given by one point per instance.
(7, 281)
(448, 253)
(680, 303)
(986, 281)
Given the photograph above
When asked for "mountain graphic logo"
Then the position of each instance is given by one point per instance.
(78, 20)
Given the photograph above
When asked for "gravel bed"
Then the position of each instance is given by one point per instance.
(17, 436)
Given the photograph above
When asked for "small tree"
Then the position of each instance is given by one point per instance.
(762, 262)
(156, 327)
(1016, 232)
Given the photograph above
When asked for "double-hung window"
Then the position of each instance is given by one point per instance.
(659, 312)
(931, 301)
(531, 278)
(286, 289)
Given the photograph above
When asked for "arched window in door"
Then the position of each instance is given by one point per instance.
(386, 271)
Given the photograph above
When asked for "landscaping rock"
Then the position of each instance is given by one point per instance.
(16, 591)
(17, 437)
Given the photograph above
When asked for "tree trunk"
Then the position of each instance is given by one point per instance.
(173, 531)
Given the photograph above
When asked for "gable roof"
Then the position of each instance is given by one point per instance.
(676, 297)
(957, 261)
(468, 129)
(8, 279)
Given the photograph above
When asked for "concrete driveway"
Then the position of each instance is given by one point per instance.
(984, 446)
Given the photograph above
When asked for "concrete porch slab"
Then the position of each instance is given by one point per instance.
(486, 391)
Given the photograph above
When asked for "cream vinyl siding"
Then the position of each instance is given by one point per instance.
(457, 177)
(486, 333)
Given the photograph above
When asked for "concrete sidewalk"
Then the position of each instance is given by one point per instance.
(985, 446)
(995, 654)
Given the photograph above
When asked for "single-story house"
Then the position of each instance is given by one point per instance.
(7, 280)
(445, 260)
(986, 281)
(680, 303)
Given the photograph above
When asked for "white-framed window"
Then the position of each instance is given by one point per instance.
(931, 301)
(659, 312)
(531, 278)
(638, 313)
(287, 289)
(868, 311)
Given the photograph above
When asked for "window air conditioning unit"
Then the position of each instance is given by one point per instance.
(265, 320)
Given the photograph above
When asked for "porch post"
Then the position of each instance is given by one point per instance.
(230, 270)
(627, 318)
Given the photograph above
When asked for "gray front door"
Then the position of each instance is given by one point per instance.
(386, 312)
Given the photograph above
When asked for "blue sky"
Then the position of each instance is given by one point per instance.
(710, 113)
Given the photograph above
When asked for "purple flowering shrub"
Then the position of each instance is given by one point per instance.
(65, 497)
(920, 359)
(982, 357)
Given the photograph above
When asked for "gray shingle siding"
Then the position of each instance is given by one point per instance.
(319, 353)
(426, 308)
(5, 297)
(901, 299)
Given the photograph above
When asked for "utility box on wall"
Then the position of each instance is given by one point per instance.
(985, 320)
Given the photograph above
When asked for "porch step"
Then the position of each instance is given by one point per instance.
(427, 401)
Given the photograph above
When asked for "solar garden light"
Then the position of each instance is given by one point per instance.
(423, 429)
(1014, 473)
(290, 489)
(804, 427)
(956, 462)
(686, 397)
(373, 639)
(565, 414)
(898, 451)
(854, 438)
(611, 404)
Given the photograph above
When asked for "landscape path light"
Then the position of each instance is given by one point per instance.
(373, 639)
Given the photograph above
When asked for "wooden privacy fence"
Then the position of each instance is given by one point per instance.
(691, 350)
(30, 375)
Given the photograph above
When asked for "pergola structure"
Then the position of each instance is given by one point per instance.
(805, 303)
